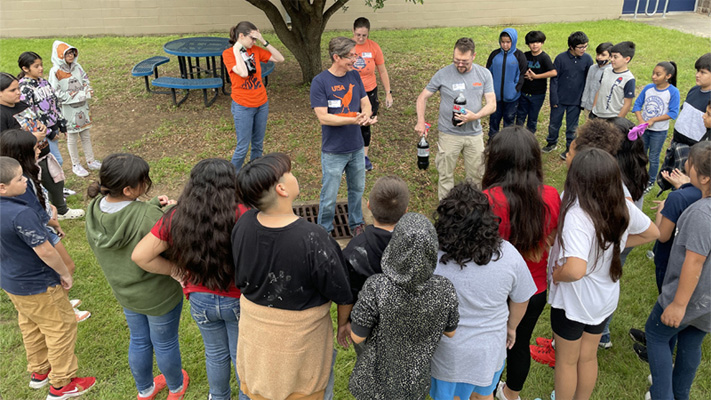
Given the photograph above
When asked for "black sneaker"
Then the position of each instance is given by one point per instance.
(649, 188)
(549, 148)
(641, 351)
(564, 155)
(638, 336)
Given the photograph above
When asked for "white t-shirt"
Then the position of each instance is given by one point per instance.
(594, 297)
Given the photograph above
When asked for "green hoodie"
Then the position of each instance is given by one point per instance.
(113, 237)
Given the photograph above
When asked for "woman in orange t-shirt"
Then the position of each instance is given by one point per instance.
(369, 58)
(250, 105)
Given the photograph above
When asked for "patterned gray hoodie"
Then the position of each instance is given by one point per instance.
(402, 313)
(71, 86)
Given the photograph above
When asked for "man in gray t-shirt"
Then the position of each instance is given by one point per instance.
(475, 83)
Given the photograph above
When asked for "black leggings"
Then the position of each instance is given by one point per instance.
(518, 359)
(55, 190)
(375, 105)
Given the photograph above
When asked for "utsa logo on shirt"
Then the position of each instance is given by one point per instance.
(345, 100)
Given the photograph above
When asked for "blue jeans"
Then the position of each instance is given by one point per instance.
(332, 167)
(217, 317)
(54, 149)
(505, 110)
(572, 115)
(250, 126)
(155, 333)
(653, 143)
(671, 379)
(529, 105)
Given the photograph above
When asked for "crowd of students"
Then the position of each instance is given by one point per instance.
(439, 308)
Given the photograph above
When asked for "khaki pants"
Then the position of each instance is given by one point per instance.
(448, 149)
(49, 332)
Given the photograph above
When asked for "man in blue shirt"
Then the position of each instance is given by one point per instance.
(341, 105)
(567, 90)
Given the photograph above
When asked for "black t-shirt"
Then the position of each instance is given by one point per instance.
(8, 121)
(363, 255)
(295, 267)
(538, 64)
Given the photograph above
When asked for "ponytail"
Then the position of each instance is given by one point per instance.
(670, 68)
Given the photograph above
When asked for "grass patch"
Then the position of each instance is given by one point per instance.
(172, 140)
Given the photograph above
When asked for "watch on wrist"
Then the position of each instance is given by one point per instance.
(266, 43)
(390, 92)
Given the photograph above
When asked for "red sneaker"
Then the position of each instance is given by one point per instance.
(38, 380)
(75, 388)
(179, 395)
(543, 355)
(158, 385)
(544, 342)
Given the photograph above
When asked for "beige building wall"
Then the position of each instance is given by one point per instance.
(48, 18)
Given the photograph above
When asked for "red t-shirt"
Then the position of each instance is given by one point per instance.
(500, 207)
(164, 235)
(249, 91)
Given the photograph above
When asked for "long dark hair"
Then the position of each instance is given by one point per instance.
(20, 145)
(201, 225)
(26, 60)
(594, 182)
(6, 80)
(466, 227)
(513, 162)
(631, 159)
(118, 171)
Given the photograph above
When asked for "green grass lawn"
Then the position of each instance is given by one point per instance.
(172, 140)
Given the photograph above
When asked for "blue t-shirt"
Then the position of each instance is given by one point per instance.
(653, 102)
(22, 272)
(675, 204)
(342, 96)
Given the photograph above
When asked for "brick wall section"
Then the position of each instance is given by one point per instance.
(23, 18)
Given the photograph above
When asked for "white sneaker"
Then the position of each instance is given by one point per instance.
(649, 379)
(75, 303)
(79, 170)
(94, 165)
(500, 392)
(647, 396)
(68, 192)
(81, 315)
(73, 213)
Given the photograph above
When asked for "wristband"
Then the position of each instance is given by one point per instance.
(266, 43)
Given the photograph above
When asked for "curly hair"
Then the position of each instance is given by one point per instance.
(466, 227)
(513, 162)
(631, 159)
(598, 134)
(20, 145)
(201, 225)
(594, 183)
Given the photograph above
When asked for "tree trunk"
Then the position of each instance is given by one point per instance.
(303, 39)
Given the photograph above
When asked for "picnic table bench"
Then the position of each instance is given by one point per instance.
(149, 67)
(189, 84)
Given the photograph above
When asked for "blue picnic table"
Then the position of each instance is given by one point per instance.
(207, 47)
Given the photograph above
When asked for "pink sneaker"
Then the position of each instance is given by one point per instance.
(543, 355)
(181, 394)
(158, 385)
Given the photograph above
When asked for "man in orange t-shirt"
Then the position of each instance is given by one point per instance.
(250, 106)
(369, 58)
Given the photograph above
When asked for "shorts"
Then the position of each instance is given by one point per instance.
(52, 236)
(447, 390)
(572, 330)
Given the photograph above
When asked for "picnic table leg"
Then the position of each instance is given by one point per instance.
(197, 66)
(190, 68)
(181, 64)
(224, 75)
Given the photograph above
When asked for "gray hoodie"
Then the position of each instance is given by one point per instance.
(71, 86)
(402, 313)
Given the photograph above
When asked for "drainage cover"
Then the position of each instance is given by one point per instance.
(340, 220)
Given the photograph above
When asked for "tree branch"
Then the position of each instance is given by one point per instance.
(331, 10)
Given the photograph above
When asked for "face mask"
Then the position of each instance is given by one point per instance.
(601, 63)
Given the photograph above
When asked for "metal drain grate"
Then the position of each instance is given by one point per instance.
(340, 220)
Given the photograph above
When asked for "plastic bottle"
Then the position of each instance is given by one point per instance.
(458, 108)
(423, 150)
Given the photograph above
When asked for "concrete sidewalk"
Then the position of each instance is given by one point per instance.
(687, 22)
